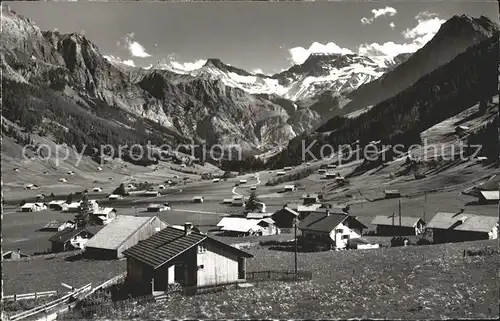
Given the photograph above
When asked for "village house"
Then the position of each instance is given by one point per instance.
(58, 205)
(97, 189)
(103, 215)
(310, 199)
(280, 173)
(75, 206)
(14, 255)
(63, 180)
(185, 257)
(391, 225)
(333, 230)
(240, 226)
(120, 234)
(285, 217)
(71, 238)
(198, 199)
(33, 207)
(115, 197)
(158, 207)
(227, 201)
(58, 225)
(289, 188)
(151, 193)
(253, 188)
(321, 171)
(329, 175)
(488, 197)
(243, 181)
(288, 168)
(393, 193)
(462, 227)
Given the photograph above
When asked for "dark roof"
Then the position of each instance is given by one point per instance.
(318, 221)
(67, 234)
(167, 244)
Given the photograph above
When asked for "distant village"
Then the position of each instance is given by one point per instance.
(160, 254)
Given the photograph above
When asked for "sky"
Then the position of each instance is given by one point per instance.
(255, 36)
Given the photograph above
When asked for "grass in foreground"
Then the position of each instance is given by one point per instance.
(42, 274)
(413, 282)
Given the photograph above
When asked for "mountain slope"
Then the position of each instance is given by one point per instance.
(454, 36)
(70, 71)
(470, 77)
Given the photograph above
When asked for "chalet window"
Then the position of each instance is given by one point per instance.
(339, 230)
(202, 248)
(200, 267)
(345, 237)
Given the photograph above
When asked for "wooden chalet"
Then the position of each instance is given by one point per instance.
(185, 257)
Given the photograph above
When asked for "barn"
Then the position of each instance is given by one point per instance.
(462, 227)
(185, 257)
(71, 238)
(310, 199)
(285, 217)
(240, 226)
(392, 193)
(58, 205)
(104, 215)
(120, 234)
(392, 226)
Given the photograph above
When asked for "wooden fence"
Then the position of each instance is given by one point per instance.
(100, 309)
(48, 307)
(28, 296)
(128, 304)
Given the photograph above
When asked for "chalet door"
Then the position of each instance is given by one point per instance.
(180, 274)
(241, 268)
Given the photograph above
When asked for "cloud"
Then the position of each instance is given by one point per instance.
(392, 25)
(386, 49)
(299, 54)
(427, 26)
(366, 21)
(114, 59)
(257, 71)
(135, 49)
(387, 11)
(188, 66)
(377, 13)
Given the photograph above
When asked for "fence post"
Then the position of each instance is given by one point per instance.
(15, 297)
(35, 295)
(268, 274)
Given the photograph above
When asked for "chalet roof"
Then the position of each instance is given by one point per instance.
(67, 234)
(114, 234)
(406, 221)
(258, 215)
(318, 221)
(490, 195)
(169, 243)
(238, 224)
(391, 191)
(310, 195)
(469, 222)
(59, 202)
(288, 210)
(104, 211)
(321, 223)
(308, 208)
